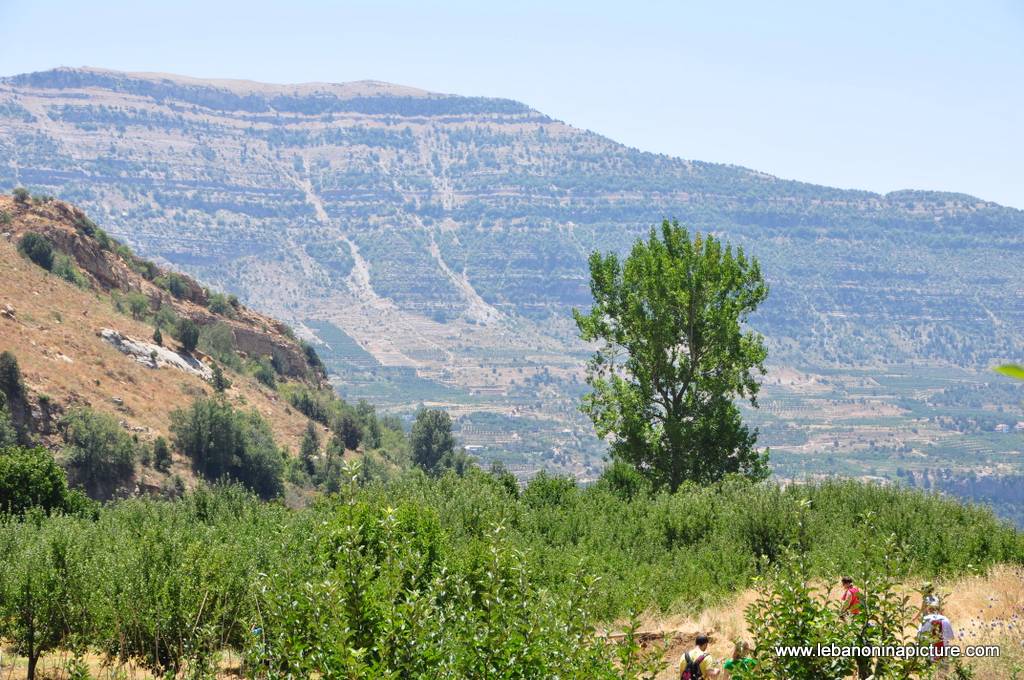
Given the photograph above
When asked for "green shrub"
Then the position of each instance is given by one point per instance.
(218, 380)
(165, 317)
(104, 240)
(187, 333)
(432, 439)
(161, 455)
(311, 405)
(85, 225)
(264, 372)
(309, 449)
(224, 443)
(218, 341)
(218, 304)
(346, 428)
(312, 358)
(5, 218)
(175, 284)
(21, 195)
(37, 248)
(147, 269)
(624, 480)
(99, 454)
(30, 478)
(64, 267)
(8, 433)
(137, 304)
(11, 383)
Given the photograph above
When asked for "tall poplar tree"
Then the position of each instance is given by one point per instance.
(673, 356)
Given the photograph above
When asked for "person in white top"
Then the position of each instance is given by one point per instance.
(936, 627)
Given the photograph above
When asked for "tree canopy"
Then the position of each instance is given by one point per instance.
(432, 440)
(673, 356)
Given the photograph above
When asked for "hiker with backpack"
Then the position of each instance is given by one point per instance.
(936, 630)
(697, 663)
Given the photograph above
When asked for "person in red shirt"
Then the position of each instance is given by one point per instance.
(851, 605)
(850, 599)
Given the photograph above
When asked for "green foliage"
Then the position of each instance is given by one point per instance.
(158, 337)
(10, 376)
(218, 380)
(104, 240)
(30, 478)
(187, 333)
(21, 195)
(309, 450)
(314, 405)
(624, 480)
(37, 248)
(85, 225)
(175, 284)
(791, 611)
(383, 604)
(1012, 370)
(147, 269)
(673, 356)
(42, 586)
(346, 428)
(218, 341)
(442, 577)
(312, 358)
(138, 305)
(224, 443)
(219, 304)
(5, 218)
(161, 455)
(432, 440)
(9, 435)
(355, 425)
(164, 317)
(176, 578)
(99, 454)
(264, 372)
(65, 268)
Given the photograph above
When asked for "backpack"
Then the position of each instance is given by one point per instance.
(692, 670)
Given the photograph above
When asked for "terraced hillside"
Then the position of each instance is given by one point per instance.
(436, 243)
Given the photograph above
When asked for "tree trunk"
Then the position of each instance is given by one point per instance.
(33, 659)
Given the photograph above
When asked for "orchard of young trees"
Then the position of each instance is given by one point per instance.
(437, 577)
(413, 562)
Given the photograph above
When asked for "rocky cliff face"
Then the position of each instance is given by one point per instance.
(111, 268)
(77, 342)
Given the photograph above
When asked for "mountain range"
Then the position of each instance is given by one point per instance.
(434, 245)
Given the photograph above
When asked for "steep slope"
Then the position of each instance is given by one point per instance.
(61, 334)
(437, 243)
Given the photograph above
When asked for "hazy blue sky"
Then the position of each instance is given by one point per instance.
(861, 94)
